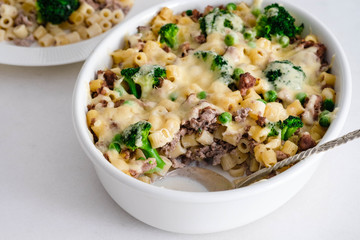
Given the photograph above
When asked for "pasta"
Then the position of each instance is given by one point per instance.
(199, 98)
(18, 22)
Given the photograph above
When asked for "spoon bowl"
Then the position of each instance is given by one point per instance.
(208, 179)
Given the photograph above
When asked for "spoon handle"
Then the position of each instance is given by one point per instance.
(242, 182)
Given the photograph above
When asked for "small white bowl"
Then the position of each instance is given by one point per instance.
(206, 212)
(56, 55)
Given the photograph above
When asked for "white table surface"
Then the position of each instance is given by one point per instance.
(49, 189)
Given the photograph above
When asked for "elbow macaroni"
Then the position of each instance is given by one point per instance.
(85, 22)
(195, 115)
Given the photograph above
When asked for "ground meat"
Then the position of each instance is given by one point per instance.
(90, 107)
(99, 91)
(321, 51)
(99, 74)
(113, 125)
(306, 142)
(196, 15)
(210, 153)
(281, 155)
(177, 163)
(138, 45)
(23, 19)
(252, 144)
(208, 9)
(143, 29)
(26, 42)
(207, 117)
(183, 161)
(166, 49)
(125, 10)
(246, 81)
(118, 103)
(148, 164)
(133, 173)
(185, 48)
(261, 121)
(110, 4)
(93, 3)
(171, 145)
(241, 114)
(321, 48)
(104, 103)
(126, 154)
(110, 78)
(200, 38)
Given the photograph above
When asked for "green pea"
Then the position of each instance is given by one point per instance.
(237, 73)
(189, 13)
(201, 95)
(284, 41)
(249, 34)
(231, 6)
(262, 100)
(229, 40)
(329, 105)
(173, 96)
(270, 96)
(301, 97)
(324, 119)
(225, 117)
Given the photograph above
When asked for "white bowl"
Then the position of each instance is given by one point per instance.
(206, 212)
(58, 55)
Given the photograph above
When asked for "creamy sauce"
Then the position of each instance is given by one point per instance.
(175, 101)
(181, 184)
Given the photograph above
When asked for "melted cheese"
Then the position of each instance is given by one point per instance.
(176, 98)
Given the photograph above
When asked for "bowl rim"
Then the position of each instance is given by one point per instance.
(201, 197)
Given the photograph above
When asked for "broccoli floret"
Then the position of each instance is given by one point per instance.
(146, 76)
(277, 21)
(284, 74)
(275, 128)
(218, 64)
(168, 34)
(136, 136)
(218, 20)
(128, 75)
(289, 127)
(55, 11)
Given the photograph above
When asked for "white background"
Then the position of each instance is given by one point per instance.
(49, 189)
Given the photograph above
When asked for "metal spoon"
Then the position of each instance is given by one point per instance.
(213, 181)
